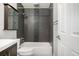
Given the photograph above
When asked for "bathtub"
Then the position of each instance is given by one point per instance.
(40, 48)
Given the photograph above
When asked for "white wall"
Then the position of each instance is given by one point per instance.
(31, 5)
(1, 16)
(14, 5)
(4, 34)
(55, 28)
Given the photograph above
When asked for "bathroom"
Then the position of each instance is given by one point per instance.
(39, 29)
(31, 25)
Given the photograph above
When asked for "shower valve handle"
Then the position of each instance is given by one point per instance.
(58, 37)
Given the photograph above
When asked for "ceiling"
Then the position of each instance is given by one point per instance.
(31, 5)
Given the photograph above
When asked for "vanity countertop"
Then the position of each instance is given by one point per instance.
(5, 43)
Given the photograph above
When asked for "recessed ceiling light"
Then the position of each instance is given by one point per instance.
(36, 5)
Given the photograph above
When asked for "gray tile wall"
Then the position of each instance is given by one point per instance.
(20, 31)
(36, 25)
(51, 23)
(44, 25)
(51, 26)
(29, 25)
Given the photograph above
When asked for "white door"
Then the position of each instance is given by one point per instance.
(68, 29)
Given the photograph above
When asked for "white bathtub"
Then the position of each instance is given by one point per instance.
(40, 48)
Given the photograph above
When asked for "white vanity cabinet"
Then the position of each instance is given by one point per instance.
(8, 47)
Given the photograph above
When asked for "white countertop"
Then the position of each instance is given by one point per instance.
(5, 43)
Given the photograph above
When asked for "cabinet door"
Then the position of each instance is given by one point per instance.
(13, 50)
(4, 53)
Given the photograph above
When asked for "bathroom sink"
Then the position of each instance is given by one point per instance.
(5, 43)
